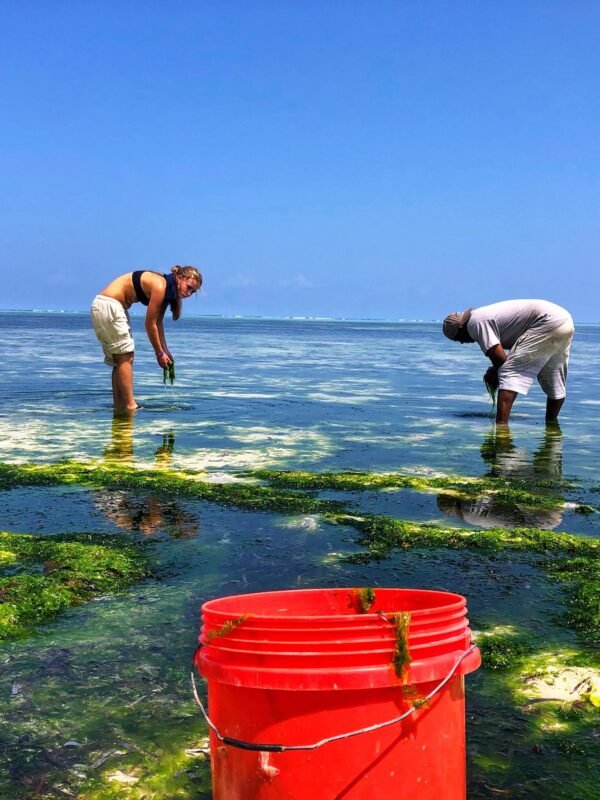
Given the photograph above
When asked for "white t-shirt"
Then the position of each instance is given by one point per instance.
(503, 323)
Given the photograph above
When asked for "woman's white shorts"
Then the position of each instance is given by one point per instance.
(112, 326)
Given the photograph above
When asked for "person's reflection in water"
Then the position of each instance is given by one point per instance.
(120, 447)
(164, 453)
(541, 470)
(142, 513)
(508, 461)
(548, 458)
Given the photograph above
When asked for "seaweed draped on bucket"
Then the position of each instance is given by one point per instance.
(337, 693)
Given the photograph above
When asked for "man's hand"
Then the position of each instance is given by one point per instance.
(496, 355)
(491, 377)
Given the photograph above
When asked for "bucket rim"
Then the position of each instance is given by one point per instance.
(449, 601)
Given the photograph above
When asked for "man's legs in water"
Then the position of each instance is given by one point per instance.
(506, 398)
(552, 408)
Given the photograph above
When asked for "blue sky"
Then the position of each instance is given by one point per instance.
(373, 159)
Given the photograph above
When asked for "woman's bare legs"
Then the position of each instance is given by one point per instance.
(122, 383)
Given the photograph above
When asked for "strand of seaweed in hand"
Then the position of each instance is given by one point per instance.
(169, 373)
(491, 390)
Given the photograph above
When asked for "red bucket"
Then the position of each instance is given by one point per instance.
(288, 671)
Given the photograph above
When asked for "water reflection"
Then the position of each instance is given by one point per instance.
(508, 461)
(120, 446)
(164, 452)
(541, 469)
(142, 513)
(146, 513)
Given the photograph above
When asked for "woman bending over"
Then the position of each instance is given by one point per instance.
(110, 319)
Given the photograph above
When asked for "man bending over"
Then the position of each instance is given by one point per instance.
(537, 335)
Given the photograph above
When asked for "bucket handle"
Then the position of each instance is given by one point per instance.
(280, 748)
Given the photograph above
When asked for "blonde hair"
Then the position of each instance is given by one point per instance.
(183, 272)
(188, 272)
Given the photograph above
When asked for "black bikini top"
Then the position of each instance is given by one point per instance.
(136, 277)
(170, 289)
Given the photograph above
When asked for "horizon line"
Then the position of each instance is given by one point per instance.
(283, 318)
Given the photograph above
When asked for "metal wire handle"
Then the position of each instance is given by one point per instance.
(280, 748)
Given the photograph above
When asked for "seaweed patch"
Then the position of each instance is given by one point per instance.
(401, 658)
(503, 649)
(366, 598)
(42, 576)
(226, 628)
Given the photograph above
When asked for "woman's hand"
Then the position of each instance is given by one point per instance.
(164, 358)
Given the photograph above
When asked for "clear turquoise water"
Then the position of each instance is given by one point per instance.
(287, 394)
(112, 676)
(329, 395)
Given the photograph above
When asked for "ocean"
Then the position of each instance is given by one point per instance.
(102, 692)
(288, 394)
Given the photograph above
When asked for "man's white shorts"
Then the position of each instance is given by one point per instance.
(544, 356)
(112, 326)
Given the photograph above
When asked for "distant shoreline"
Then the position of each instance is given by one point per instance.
(292, 318)
(249, 317)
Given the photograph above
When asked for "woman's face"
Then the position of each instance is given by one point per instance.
(187, 286)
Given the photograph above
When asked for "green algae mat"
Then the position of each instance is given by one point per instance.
(41, 576)
(100, 617)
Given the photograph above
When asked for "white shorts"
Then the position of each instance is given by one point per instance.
(112, 326)
(544, 356)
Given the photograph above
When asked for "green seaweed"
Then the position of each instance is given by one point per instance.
(538, 493)
(168, 483)
(366, 598)
(58, 572)
(526, 748)
(401, 658)
(226, 628)
(491, 390)
(516, 746)
(411, 695)
(286, 491)
(378, 535)
(583, 600)
(503, 650)
(169, 372)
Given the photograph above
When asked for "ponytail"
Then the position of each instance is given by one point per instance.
(175, 306)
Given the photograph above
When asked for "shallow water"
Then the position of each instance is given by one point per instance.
(105, 686)
(328, 394)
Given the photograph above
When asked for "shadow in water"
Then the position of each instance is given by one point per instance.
(540, 469)
(168, 405)
(475, 414)
(140, 512)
